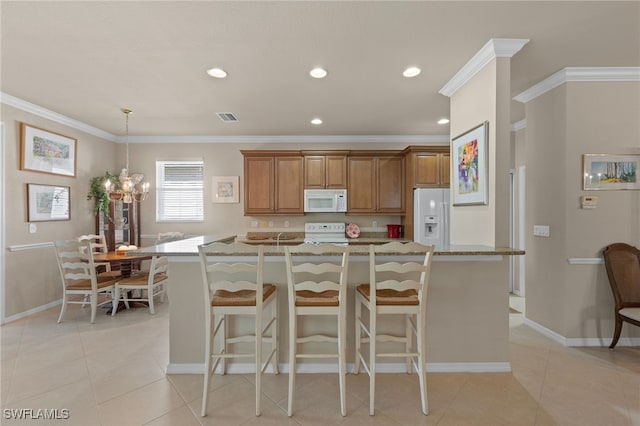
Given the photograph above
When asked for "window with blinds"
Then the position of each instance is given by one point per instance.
(179, 191)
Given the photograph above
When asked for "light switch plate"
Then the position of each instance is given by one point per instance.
(541, 230)
(33, 228)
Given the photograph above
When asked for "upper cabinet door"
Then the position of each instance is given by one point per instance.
(289, 189)
(259, 189)
(376, 185)
(325, 171)
(390, 185)
(336, 171)
(361, 191)
(431, 170)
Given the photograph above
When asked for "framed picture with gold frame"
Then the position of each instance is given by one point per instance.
(610, 171)
(47, 152)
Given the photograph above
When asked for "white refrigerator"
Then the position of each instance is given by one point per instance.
(431, 216)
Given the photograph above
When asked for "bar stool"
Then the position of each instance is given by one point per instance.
(394, 289)
(235, 287)
(317, 287)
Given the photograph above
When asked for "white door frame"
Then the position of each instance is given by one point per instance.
(2, 225)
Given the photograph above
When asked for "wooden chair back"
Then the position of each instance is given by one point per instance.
(622, 262)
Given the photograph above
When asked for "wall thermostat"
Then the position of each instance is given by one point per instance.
(589, 201)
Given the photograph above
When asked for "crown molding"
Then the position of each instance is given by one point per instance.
(54, 116)
(579, 74)
(494, 48)
(299, 139)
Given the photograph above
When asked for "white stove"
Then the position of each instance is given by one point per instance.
(333, 233)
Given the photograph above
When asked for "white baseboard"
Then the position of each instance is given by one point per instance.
(318, 368)
(580, 341)
(31, 312)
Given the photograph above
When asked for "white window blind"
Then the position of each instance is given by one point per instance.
(179, 191)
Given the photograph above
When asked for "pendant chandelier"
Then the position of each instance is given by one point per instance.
(132, 187)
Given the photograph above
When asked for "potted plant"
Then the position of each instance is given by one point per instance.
(98, 192)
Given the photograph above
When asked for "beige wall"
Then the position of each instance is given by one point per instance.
(32, 278)
(471, 105)
(222, 159)
(562, 125)
(485, 98)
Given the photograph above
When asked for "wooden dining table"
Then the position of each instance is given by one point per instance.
(123, 261)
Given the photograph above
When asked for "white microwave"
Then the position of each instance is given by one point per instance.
(325, 200)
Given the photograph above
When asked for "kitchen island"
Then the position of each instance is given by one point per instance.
(467, 308)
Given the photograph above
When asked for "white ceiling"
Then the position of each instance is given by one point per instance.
(86, 60)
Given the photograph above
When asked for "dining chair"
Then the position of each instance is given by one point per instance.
(622, 262)
(97, 244)
(235, 287)
(79, 277)
(317, 285)
(153, 281)
(394, 289)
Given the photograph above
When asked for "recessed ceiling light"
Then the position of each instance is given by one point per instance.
(411, 72)
(318, 72)
(217, 72)
(316, 121)
(443, 121)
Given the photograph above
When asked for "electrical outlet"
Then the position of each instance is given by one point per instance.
(254, 223)
(270, 224)
(286, 223)
(374, 224)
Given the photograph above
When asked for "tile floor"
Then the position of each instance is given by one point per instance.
(113, 373)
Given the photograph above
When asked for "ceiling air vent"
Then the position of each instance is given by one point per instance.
(227, 116)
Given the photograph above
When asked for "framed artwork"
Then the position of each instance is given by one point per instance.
(469, 161)
(225, 189)
(609, 171)
(47, 202)
(47, 152)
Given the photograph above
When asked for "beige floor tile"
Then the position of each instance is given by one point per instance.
(231, 404)
(76, 398)
(141, 405)
(40, 380)
(492, 399)
(118, 376)
(37, 355)
(181, 416)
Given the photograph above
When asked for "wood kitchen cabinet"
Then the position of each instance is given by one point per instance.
(325, 169)
(375, 183)
(121, 225)
(431, 169)
(273, 183)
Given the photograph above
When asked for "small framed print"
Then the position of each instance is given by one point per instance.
(47, 202)
(469, 161)
(225, 189)
(47, 152)
(609, 171)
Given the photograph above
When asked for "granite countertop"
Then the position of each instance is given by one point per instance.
(189, 247)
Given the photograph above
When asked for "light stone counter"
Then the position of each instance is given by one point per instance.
(467, 308)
